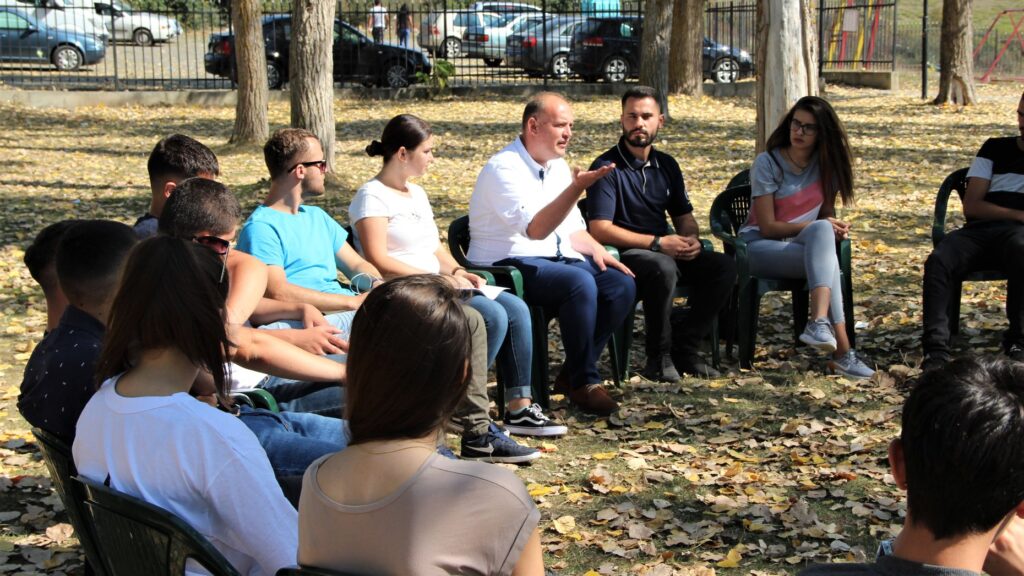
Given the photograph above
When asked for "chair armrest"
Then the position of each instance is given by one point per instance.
(259, 398)
(487, 276)
(506, 276)
(613, 251)
(706, 245)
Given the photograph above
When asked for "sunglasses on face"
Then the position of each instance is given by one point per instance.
(220, 246)
(806, 129)
(321, 164)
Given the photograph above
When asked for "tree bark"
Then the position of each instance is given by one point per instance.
(686, 70)
(956, 59)
(312, 63)
(251, 124)
(787, 67)
(655, 50)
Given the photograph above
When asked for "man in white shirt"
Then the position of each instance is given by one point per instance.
(377, 21)
(523, 213)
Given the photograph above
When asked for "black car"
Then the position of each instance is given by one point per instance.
(357, 58)
(609, 48)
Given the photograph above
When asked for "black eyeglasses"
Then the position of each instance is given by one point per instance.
(807, 129)
(220, 246)
(321, 164)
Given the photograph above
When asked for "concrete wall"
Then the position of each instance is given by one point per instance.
(71, 100)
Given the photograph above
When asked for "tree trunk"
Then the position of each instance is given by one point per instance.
(787, 67)
(654, 55)
(956, 75)
(251, 65)
(312, 63)
(686, 70)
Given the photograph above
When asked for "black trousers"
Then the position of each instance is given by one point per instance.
(710, 277)
(986, 245)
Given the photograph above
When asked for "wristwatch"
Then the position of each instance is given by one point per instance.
(656, 244)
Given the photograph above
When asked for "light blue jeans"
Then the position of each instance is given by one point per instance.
(293, 441)
(811, 254)
(509, 340)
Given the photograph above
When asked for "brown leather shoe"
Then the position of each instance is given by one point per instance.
(562, 381)
(593, 399)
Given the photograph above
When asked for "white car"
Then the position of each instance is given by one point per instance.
(142, 28)
(69, 15)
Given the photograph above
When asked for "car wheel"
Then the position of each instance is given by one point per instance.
(725, 71)
(492, 62)
(560, 66)
(616, 69)
(452, 47)
(274, 79)
(142, 37)
(67, 58)
(396, 75)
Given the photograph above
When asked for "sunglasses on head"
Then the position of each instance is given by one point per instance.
(321, 164)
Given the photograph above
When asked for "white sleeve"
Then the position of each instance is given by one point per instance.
(980, 168)
(367, 204)
(258, 520)
(507, 191)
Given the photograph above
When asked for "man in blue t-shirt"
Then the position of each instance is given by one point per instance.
(627, 209)
(992, 239)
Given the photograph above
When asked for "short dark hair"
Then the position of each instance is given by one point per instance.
(170, 296)
(178, 157)
(282, 148)
(963, 445)
(199, 205)
(407, 374)
(641, 92)
(536, 105)
(89, 259)
(404, 130)
(41, 255)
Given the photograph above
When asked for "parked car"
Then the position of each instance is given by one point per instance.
(357, 58)
(24, 38)
(442, 32)
(504, 8)
(142, 28)
(70, 15)
(609, 48)
(544, 49)
(489, 42)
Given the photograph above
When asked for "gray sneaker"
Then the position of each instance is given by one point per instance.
(818, 335)
(851, 366)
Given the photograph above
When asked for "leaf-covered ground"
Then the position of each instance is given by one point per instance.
(759, 472)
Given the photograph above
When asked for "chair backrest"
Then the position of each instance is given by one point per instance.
(957, 180)
(740, 179)
(458, 239)
(61, 465)
(729, 211)
(135, 537)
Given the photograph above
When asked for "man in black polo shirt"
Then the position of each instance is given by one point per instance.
(993, 239)
(627, 209)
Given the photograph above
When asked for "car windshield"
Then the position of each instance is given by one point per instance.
(524, 24)
(122, 6)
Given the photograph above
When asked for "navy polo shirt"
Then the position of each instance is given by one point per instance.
(58, 379)
(637, 194)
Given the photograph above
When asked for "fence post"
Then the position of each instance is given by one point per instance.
(924, 52)
(543, 37)
(110, 44)
(821, 39)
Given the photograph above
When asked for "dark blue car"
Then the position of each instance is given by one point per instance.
(23, 38)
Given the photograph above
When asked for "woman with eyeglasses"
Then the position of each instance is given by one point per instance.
(389, 503)
(792, 230)
(143, 434)
(395, 230)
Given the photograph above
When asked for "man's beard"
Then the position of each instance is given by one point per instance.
(309, 190)
(639, 139)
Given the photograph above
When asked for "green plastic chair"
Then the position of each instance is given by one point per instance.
(509, 277)
(61, 466)
(256, 398)
(625, 333)
(135, 537)
(956, 182)
(728, 214)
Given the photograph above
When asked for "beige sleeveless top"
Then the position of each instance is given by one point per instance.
(450, 517)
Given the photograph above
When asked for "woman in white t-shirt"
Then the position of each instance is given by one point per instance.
(389, 504)
(395, 230)
(143, 434)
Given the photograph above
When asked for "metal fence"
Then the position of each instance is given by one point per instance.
(1010, 54)
(168, 44)
(857, 35)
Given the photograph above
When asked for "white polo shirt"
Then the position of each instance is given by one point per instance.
(510, 190)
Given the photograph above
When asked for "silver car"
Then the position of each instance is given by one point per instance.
(142, 28)
(488, 42)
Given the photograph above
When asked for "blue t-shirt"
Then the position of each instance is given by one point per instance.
(303, 244)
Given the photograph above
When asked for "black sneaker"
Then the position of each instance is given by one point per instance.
(531, 421)
(493, 446)
(661, 369)
(696, 366)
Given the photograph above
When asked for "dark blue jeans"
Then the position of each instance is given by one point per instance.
(293, 440)
(590, 305)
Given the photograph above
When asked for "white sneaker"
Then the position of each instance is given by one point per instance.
(818, 335)
(851, 366)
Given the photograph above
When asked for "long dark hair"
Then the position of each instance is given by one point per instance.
(170, 297)
(834, 156)
(404, 130)
(408, 361)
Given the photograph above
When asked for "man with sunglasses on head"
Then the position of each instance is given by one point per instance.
(627, 209)
(302, 246)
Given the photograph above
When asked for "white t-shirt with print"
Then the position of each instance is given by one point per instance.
(413, 238)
